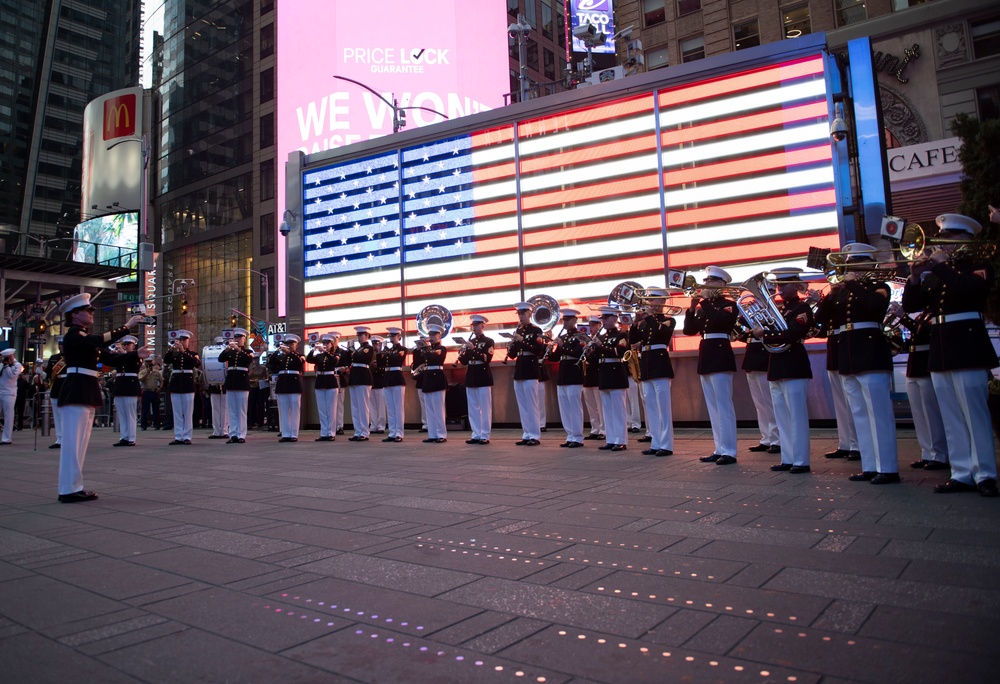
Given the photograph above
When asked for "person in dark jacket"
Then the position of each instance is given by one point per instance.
(80, 393)
(610, 346)
(238, 359)
(126, 388)
(360, 378)
(654, 334)
(323, 356)
(287, 365)
(526, 348)
(55, 371)
(566, 350)
(476, 354)
(182, 362)
(395, 384)
(434, 385)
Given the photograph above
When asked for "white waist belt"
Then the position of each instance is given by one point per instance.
(524, 353)
(952, 318)
(864, 325)
(287, 372)
(359, 365)
(648, 347)
(434, 368)
(128, 375)
(83, 371)
(327, 373)
(395, 368)
(611, 360)
(239, 368)
(183, 371)
(920, 348)
(476, 363)
(715, 336)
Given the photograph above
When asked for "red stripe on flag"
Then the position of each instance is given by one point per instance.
(741, 167)
(617, 148)
(582, 117)
(744, 124)
(733, 83)
(496, 244)
(485, 209)
(493, 281)
(744, 208)
(490, 173)
(628, 266)
(746, 252)
(604, 230)
(372, 296)
(612, 189)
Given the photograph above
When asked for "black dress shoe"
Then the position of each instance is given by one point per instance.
(324, 438)
(532, 442)
(710, 459)
(594, 436)
(781, 467)
(472, 441)
(442, 440)
(645, 438)
(853, 455)
(774, 449)
(357, 438)
(919, 464)
(378, 432)
(954, 486)
(482, 441)
(936, 465)
(564, 444)
(295, 439)
(340, 431)
(233, 440)
(521, 442)
(798, 470)
(77, 497)
(574, 445)
(289, 439)
(634, 430)
(649, 452)
(664, 452)
(187, 441)
(55, 446)
(429, 440)
(216, 436)
(988, 488)
(606, 447)
(759, 447)
(885, 478)
(544, 429)
(863, 476)
(176, 441)
(241, 440)
(389, 439)
(725, 460)
(121, 442)
(619, 447)
(422, 430)
(838, 453)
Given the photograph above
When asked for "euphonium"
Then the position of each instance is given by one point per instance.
(758, 308)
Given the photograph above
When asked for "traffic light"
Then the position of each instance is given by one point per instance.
(41, 326)
(232, 321)
(184, 306)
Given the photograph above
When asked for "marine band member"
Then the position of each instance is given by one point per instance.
(476, 354)
(325, 364)
(654, 333)
(610, 346)
(377, 419)
(434, 385)
(527, 348)
(591, 385)
(126, 388)
(754, 366)
(217, 400)
(395, 384)
(287, 365)
(183, 363)
(238, 360)
(360, 378)
(827, 325)
(55, 371)
(567, 349)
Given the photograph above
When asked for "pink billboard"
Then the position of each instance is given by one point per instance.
(444, 58)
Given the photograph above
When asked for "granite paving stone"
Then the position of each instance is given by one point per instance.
(206, 566)
(811, 559)
(36, 659)
(963, 634)
(114, 543)
(662, 563)
(721, 634)
(679, 627)
(234, 543)
(323, 537)
(112, 577)
(27, 601)
(489, 563)
(404, 576)
(844, 616)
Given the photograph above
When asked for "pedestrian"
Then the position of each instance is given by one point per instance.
(10, 371)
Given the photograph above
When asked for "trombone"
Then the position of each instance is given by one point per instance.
(870, 271)
(914, 243)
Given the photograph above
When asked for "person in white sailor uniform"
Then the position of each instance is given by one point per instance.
(360, 379)
(713, 316)
(476, 354)
(238, 359)
(217, 401)
(952, 285)
(591, 386)
(80, 393)
(377, 420)
(526, 350)
(567, 349)
(434, 385)
(55, 371)
(610, 345)
(654, 333)
(325, 366)
(395, 385)
(126, 388)
(789, 371)
(183, 363)
(865, 362)
(287, 365)
(10, 370)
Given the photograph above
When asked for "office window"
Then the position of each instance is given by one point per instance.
(985, 37)
(513, 6)
(795, 21)
(267, 130)
(654, 12)
(693, 48)
(904, 4)
(267, 40)
(267, 182)
(850, 12)
(549, 64)
(267, 230)
(548, 25)
(267, 84)
(687, 7)
(746, 35)
(657, 59)
(532, 48)
(988, 102)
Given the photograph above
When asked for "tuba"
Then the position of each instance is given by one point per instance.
(544, 311)
(627, 296)
(758, 308)
(432, 314)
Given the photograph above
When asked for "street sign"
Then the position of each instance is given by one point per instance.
(258, 344)
(128, 296)
(37, 309)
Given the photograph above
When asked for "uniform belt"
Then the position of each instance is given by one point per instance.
(359, 365)
(238, 368)
(288, 372)
(182, 371)
(434, 368)
(574, 359)
(476, 363)
(649, 347)
(83, 371)
(952, 318)
(326, 373)
(611, 360)
(715, 336)
(863, 325)
(920, 348)
(395, 368)
(128, 375)
(524, 353)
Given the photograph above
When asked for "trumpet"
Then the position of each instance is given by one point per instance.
(708, 292)
(914, 242)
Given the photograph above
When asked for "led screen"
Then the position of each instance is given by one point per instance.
(600, 15)
(449, 56)
(110, 240)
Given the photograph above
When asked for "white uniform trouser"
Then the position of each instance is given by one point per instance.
(874, 420)
(56, 418)
(592, 398)
(341, 400)
(633, 407)
(847, 435)
(7, 406)
(718, 390)
(78, 421)
(789, 400)
(962, 396)
(326, 406)
(377, 402)
(220, 415)
(289, 406)
(760, 393)
(480, 401)
(659, 413)
(543, 414)
(571, 411)
(927, 421)
(394, 409)
(126, 408)
(526, 392)
(183, 409)
(613, 406)
(436, 427)
(361, 409)
(236, 412)
(422, 400)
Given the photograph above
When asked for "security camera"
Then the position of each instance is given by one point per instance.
(584, 31)
(516, 30)
(284, 228)
(838, 129)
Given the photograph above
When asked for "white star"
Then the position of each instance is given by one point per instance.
(343, 241)
(343, 195)
(459, 243)
(427, 248)
(317, 183)
(356, 226)
(442, 211)
(412, 240)
(382, 244)
(357, 183)
(396, 232)
(356, 249)
(412, 216)
(357, 205)
(455, 150)
(331, 231)
(427, 227)
(370, 190)
(382, 200)
(318, 201)
(458, 221)
(395, 162)
(371, 256)
(383, 220)
(457, 172)
(344, 260)
(381, 179)
(426, 179)
(412, 194)
(426, 157)
(371, 236)
(395, 185)
(441, 190)
(444, 234)
(396, 254)
(368, 169)
(343, 176)
(370, 213)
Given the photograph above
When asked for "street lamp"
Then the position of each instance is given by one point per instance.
(398, 113)
(267, 295)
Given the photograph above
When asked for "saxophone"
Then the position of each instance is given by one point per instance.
(632, 359)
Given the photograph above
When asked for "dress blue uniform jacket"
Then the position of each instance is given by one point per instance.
(478, 374)
(84, 351)
(713, 316)
(180, 383)
(655, 329)
(236, 380)
(793, 363)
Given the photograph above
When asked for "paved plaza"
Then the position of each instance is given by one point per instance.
(343, 562)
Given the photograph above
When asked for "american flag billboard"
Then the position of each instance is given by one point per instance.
(735, 170)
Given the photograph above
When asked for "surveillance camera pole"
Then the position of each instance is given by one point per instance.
(520, 31)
